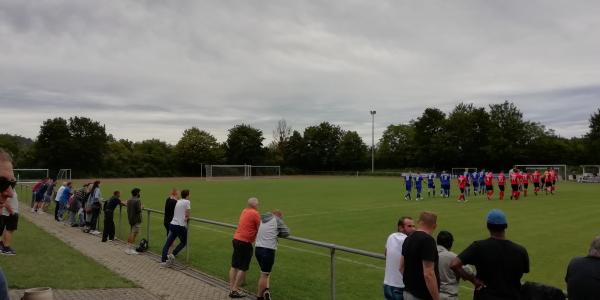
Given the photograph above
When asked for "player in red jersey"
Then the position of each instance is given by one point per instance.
(525, 182)
(515, 179)
(489, 184)
(535, 178)
(548, 181)
(462, 184)
(501, 183)
(554, 177)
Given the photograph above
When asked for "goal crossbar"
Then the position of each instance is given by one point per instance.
(543, 166)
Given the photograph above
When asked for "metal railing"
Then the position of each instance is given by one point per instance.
(333, 248)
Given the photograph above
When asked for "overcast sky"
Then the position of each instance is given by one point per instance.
(150, 69)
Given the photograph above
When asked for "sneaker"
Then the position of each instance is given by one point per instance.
(236, 294)
(8, 251)
(95, 232)
(171, 258)
(164, 264)
(267, 295)
(133, 252)
(33, 210)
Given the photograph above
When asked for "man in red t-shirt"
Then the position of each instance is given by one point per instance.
(462, 184)
(535, 178)
(243, 238)
(489, 184)
(515, 179)
(548, 181)
(525, 182)
(501, 183)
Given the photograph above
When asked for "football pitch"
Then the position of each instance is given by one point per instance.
(360, 212)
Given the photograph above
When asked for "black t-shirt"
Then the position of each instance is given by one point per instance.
(111, 204)
(583, 278)
(500, 265)
(417, 247)
(169, 210)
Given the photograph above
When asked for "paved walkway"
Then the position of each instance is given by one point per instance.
(143, 270)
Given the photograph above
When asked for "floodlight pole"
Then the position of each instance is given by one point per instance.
(373, 140)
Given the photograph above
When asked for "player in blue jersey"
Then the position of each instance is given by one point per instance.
(475, 181)
(481, 182)
(445, 183)
(431, 184)
(408, 183)
(419, 185)
(468, 178)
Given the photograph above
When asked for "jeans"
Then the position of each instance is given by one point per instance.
(3, 287)
(56, 210)
(175, 231)
(109, 226)
(95, 214)
(392, 292)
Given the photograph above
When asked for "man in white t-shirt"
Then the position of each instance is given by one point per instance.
(393, 286)
(177, 229)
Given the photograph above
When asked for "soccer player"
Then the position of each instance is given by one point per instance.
(475, 180)
(445, 184)
(462, 183)
(554, 177)
(489, 185)
(408, 184)
(501, 183)
(525, 182)
(515, 179)
(549, 180)
(481, 181)
(419, 185)
(535, 178)
(467, 176)
(430, 184)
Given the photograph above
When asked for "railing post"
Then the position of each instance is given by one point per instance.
(120, 213)
(148, 229)
(332, 273)
(187, 247)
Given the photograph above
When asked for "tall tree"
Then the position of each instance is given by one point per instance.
(244, 145)
(281, 136)
(396, 148)
(430, 138)
(593, 138)
(352, 151)
(89, 144)
(54, 145)
(321, 145)
(197, 147)
(153, 158)
(294, 151)
(507, 135)
(467, 129)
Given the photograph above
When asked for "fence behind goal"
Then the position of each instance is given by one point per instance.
(242, 171)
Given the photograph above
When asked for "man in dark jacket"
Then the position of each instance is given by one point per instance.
(134, 216)
(109, 212)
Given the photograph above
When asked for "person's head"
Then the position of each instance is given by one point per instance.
(277, 213)
(174, 193)
(595, 247)
(427, 221)
(135, 192)
(185, 194)
(69, 184)
(406, 225)
(445, 239)
(117, 194)
(253, 202)
(7, 176)
(96, 184)
(496, 222)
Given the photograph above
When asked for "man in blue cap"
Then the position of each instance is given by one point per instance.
(500, 263)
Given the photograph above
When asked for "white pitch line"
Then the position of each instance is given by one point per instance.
(345, 210)
(293, 248)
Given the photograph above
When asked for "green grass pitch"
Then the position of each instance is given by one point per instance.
(361, 212)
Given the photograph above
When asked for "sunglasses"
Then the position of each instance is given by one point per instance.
(5, 183)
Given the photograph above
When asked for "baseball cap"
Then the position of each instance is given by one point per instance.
(496, 217)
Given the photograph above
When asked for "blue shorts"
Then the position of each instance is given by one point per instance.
(265, 258)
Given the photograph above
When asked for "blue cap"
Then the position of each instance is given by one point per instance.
(496, 217)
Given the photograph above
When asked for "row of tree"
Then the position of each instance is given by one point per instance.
(493, 138)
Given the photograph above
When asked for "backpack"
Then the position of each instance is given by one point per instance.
(143, 247)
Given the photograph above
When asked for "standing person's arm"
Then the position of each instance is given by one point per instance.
(431, 279)
(401, 264)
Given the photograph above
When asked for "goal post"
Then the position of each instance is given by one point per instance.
(63, 175)
(265, 171)
(561, 169)
(31, 175)
(461, 171)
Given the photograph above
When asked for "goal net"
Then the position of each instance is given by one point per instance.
(31, 175)
(265, 171)
(63, 175)
(561, 170)
(461, 171)
(229, 171)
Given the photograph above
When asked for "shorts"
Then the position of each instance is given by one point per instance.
(431, 186)
(501, 187)
(9, 222)
(135, 228)
(47, 198)
(462, 190)
(536, 185)
(265, 258)
(446, 186)
(514, 187)
(525, 186)
(548, 184)
(489, 188)
(242, 254)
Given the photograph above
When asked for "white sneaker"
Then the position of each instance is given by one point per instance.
(128, 250)
(133, 252)
(95, 232)
(164, 265)
(171, 258)
(33, 210)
